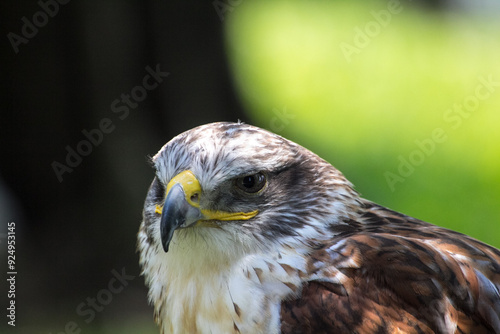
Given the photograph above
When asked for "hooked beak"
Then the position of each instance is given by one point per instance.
(182, 208)
(176, 212)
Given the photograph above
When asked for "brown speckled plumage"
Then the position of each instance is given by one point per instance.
(398, 274)
(316, 258)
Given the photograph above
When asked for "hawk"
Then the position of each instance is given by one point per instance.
(245, 231)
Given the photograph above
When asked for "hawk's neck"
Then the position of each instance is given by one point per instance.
(240, 292)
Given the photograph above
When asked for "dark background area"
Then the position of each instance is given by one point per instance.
(72, 233)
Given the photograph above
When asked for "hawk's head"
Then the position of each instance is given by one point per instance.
(231, 188)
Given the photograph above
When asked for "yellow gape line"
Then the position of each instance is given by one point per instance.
(192, 191)
(222, 215)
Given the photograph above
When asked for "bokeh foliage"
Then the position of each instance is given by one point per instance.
(365, 111)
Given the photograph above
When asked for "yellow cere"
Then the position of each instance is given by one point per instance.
(190, 185)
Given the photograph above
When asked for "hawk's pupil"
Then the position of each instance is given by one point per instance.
(249, 181)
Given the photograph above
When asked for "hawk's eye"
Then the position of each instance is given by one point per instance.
(251, 183)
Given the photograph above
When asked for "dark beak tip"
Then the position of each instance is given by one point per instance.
(165, 247)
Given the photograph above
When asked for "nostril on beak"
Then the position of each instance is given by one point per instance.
(195, 198)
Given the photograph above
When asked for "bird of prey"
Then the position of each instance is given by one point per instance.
(245, 231)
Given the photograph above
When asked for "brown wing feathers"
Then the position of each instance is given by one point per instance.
(395, 274)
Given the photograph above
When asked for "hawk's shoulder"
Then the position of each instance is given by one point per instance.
(394, 273)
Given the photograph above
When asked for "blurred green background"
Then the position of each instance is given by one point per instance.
(364, 85)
